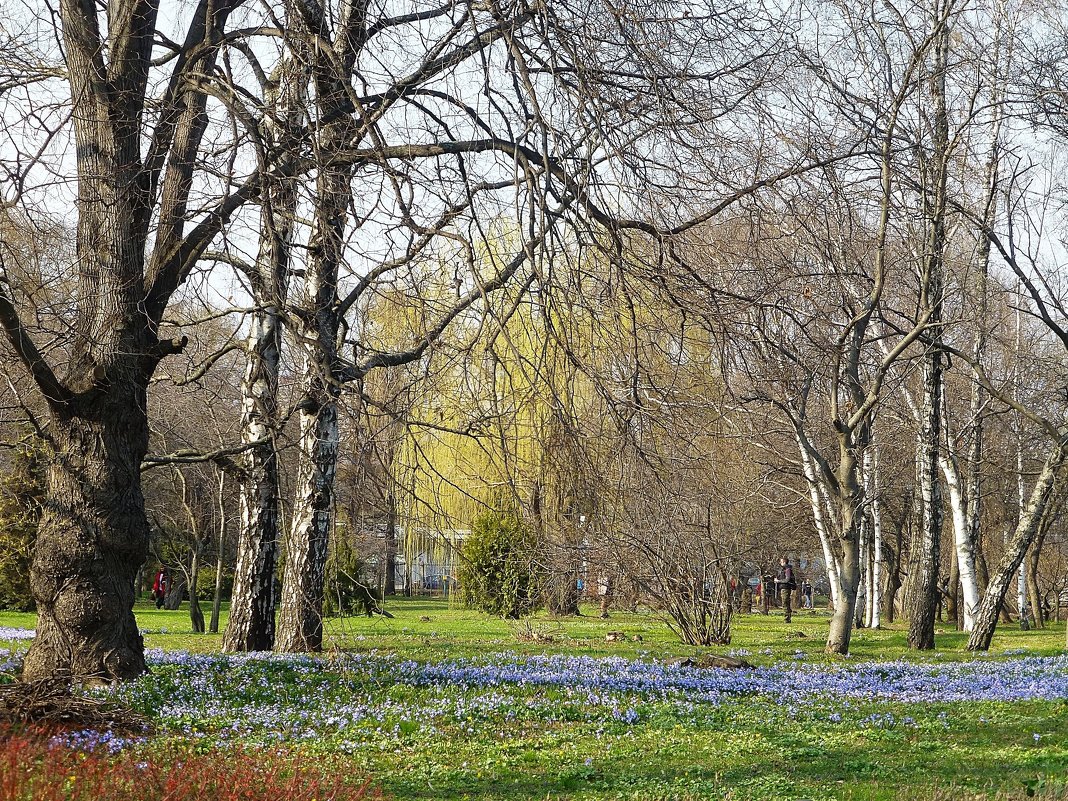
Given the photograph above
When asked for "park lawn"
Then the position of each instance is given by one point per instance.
(452, 631)
(543, 744)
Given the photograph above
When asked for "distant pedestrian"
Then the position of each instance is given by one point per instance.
(806, 594)
(159, 588)
(785, 584)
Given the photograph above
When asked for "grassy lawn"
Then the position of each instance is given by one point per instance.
(403, 700)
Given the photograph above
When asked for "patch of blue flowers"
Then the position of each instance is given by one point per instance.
(362, 698)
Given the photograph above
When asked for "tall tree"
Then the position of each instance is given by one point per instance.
(135, 162)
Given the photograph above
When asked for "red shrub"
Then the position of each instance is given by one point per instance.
(34, 769)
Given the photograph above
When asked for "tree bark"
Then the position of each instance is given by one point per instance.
(819, 516)
(389, 584)
(220, 556)
(91, 541)
(1015, 549)
(924, 597)
(850, 513)
(300, 624)
(251, 626)
(963, 568)
(196, 614)
(1033, 593)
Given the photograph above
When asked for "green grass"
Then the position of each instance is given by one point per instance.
(744, 748)
(451, 631)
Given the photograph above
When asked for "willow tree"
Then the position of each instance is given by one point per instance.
(427, 126)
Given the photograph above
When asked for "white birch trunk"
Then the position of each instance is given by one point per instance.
(830, 560)
(877, 550)
(1015, 550)
(963, 540)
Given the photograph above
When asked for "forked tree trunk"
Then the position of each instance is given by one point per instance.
(134, 175)
(300, 624)
(92, 539)
(1026, 530)
(251, 626)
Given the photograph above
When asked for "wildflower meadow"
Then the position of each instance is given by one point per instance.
(457, 707)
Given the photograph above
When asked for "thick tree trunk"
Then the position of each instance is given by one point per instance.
(172, 601)
(841, 631)
(851, 511)
(1015, 549)
(92, 540)
(915, 527)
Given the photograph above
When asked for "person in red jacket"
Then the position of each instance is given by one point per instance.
(159, 588)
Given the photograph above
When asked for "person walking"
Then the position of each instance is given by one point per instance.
(785, 584)
(806, 594)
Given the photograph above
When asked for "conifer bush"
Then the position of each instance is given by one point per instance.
(499, 571)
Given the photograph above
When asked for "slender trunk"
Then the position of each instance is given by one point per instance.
(389, 585)
(1033, 593)
(1021, 580)
(1026, 530)
(964, 568)
(859, 606)
(606, 596)
(924, 599)
(816, 501)
(196, 614)
(220, 555)
(875, 620)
